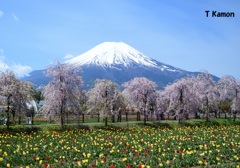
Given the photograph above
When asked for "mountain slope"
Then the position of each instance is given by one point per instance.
(118, 62)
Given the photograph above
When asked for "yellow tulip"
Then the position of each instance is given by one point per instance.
(79, 163)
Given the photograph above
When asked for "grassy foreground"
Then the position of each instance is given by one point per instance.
(195, 143)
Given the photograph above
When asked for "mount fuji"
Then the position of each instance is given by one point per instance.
(118, 62)
(111, 54)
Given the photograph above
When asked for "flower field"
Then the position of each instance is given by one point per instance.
(217, 146)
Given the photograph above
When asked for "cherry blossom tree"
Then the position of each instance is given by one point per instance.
(141, 92)
(206, 93)
(24, 95)
(14, 95)
(228, 88)
(80, 103)
(59, 94)
(189, 95)
(162, 103)
(8, 90)
(180, 97)
(105, 96)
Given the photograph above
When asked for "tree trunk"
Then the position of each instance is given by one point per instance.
(32, 117)
(145, 117)
(180, 115)
(138, 116)
(196, 115)
(19, 120)
(62, 120)
(8, 121)
(61, 117)
(145, 120)
(19, 113)
(83, 117)
(207, 117)
(8, 111)
(234, 116)
(106, 123)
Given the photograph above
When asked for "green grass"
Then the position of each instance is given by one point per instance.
(92, 123)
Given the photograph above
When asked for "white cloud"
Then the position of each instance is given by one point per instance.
(21, 70)
(68, 56)
(15, 17)
(3, 65)
(1, 13)
(18, 69)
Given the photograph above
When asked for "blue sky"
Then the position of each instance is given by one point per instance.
(33, 34)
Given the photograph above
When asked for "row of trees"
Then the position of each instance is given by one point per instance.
(190, 95)
(64, 95)
(201, 94)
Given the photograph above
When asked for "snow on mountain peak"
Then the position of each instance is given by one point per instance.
(112, 53)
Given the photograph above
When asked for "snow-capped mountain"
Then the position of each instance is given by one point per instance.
(112, 53)
(118, 62)
(115, 54)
